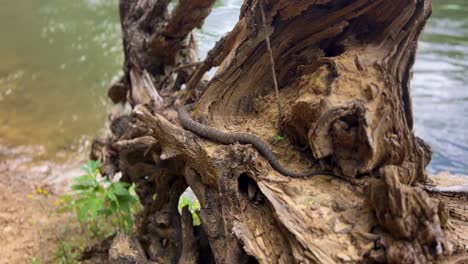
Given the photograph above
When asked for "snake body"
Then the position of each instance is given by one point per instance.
(243, 138)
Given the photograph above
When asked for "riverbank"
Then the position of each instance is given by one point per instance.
(30, 226)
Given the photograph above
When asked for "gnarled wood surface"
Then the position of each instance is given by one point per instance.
(343, 69)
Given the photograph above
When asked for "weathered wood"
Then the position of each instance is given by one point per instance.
(243, 138)
(126, 249)
(343, 73)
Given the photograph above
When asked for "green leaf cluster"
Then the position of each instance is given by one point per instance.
(96, 199)
(193, 206)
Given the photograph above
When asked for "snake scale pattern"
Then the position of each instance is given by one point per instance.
(243, 138)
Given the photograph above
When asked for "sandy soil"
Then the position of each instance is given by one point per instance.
(30, 226)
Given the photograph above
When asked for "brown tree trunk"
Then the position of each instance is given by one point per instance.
(343, 69)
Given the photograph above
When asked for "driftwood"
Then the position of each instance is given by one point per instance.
(343, 71)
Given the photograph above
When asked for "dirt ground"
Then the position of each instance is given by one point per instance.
(30, 226)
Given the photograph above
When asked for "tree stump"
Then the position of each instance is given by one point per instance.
(343, 69)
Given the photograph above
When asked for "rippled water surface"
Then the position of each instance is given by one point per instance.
(440, 86)
(57, 58)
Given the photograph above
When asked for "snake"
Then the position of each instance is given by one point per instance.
(227, 138)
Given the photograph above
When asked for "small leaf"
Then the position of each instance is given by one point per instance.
(105, 212)
(126, 207)
(126, 199)
(184, 201)
(277, 138)
(83, 182)
(112, 196)
(91, 167)
(120, 190)
(113, 207)
(196, 205)
(82, 212)
(122, 184)
(94, 206)
(196, 219)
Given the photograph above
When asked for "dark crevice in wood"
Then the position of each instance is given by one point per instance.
(333, 50)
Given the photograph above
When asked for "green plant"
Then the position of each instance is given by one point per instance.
(277, 138)
(96, 198)
(71, 241)
(35, 261)
(67, 252)
(194, 208)
(102, 207)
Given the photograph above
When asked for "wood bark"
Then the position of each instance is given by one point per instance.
(343, 70)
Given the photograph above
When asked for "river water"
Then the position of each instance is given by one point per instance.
(58, 57)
